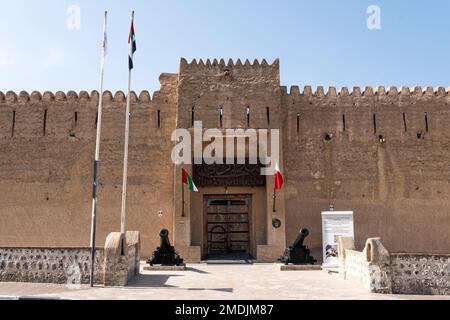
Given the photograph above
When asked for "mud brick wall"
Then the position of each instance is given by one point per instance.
(47, 144)
(383, 153)
(50, 265)
(355, 267)
(378, 270)
(115, 264)
(420, 273)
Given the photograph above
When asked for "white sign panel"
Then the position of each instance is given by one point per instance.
(335, 224)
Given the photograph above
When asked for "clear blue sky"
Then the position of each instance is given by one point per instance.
(318, 42)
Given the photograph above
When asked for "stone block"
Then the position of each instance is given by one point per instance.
(300, 267)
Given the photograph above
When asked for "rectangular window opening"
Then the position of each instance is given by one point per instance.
(426, 121)
(248, 116)
(192, 116)
(298, 122)
(404, 123)
(221, 117)
(45, 122)
(374, 124)
(268, 115)
(159, 119)
(343, 122)
(96, 120)
(13, 123)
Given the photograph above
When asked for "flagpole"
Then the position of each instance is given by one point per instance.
(125, 157)
(274, 199)
(182, 199)
(97, 158)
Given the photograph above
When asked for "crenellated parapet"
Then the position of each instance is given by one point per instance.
(72, 97)
(218, 92)
(234, 73)
(390, 93)
(216, 64)
(381, 113)
(73, 115)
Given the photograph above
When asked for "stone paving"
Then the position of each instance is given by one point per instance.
(218, 282)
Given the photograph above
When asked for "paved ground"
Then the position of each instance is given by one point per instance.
(219, 282)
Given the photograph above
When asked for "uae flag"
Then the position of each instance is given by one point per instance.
(188, 181)
(278, 182)
(132, 43)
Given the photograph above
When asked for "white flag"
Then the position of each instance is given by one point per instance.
(105, 40)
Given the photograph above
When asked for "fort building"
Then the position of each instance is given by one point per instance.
(383, 153)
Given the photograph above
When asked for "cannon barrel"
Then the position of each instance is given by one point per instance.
(164, 235)
(300, 238)
(165, 254)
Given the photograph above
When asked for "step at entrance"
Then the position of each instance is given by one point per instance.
(229, 258)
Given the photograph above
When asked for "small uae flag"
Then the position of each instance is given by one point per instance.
(132, 43)
(278, 181)
(188, 181)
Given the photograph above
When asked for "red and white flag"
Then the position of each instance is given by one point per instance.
(278, 181)
(188, 181)
(132, 44)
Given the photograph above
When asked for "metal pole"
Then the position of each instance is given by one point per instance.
(94, 223)
(125, 158)
(274, 199)
(182, 199)
(97, 158)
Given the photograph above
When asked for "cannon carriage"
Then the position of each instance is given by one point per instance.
(298, 253)
(165, 254)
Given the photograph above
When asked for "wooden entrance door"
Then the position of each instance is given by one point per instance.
(227, 228)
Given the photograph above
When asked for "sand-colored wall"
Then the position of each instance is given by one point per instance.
(46, 181)
(398, 189)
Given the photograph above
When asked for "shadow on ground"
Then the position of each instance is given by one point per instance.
(196, 270)
(145, 281)
(151, 281)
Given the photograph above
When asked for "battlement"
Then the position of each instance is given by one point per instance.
(294, 91)
(368, 92)
(72, 97)
(167, 81)
(216, 64)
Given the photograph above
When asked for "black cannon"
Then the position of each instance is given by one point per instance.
(165, 254)
(298, 253)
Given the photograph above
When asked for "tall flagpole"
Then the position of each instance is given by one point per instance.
(97, 154)
(125, 158)
(127, 129)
